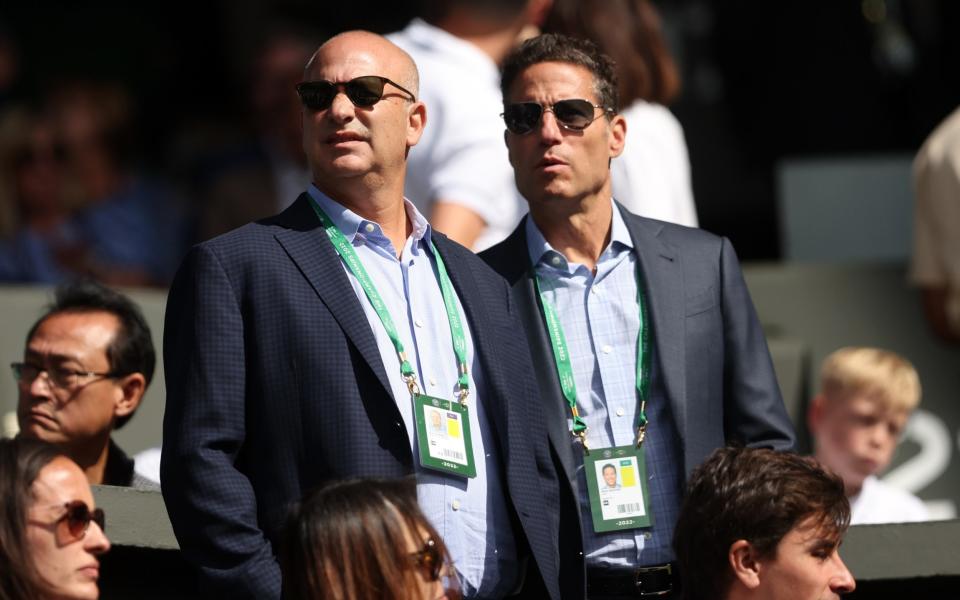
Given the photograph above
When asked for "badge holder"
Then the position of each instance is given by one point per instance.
(617, 487)
(443, 435)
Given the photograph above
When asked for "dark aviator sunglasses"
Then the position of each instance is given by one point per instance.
(573, 115)
(362, 91)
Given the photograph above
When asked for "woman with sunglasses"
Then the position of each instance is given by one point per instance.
(50, 532)
(364, 540)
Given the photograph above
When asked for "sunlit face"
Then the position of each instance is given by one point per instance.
(67, 565)
(553, 164)
(77, 341)
(856, 437)
(347, 141)
(806, 566)
(610, 476)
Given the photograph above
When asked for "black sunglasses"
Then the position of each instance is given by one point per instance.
(429, 559)
(362, 91)
(573, 114)
(78, 517)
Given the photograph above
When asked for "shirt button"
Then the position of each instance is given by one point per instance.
(647, 535)
(433, 381)
(619, 411)
(418, 323)
(370, 227)
(455, 505)
(556, 261)
(607, 349)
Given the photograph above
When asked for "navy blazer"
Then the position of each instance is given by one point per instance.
(275, 385)
(711, 350)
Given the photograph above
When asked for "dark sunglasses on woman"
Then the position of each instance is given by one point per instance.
(362, 91)
(573, 115)
(78, 517)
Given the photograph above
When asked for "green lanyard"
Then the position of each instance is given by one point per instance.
(561, 356)
(350, 258)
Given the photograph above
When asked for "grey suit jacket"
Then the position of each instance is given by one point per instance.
(711, 350)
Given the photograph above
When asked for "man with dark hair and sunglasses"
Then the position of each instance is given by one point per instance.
(759, 524)
(315, 345)
(86, 365)
(646, 344)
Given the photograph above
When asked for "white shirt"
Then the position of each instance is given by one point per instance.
(880, 502)
(461, 157)
(652, 176)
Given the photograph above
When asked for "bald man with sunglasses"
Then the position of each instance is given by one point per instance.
(323, 343)
(646, 344)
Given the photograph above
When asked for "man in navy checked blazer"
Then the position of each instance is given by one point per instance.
(280, 375)
(711, 379)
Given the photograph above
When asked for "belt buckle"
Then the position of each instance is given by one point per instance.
(638, 577)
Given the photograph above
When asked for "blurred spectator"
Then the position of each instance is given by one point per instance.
(762, 524)
(262, 176)
(652, 176)
(50, 534)
(865, 398)
(132, 227)
(458, 174)
(364, 540)
(86, 365)
(36, 231)
(936, 239)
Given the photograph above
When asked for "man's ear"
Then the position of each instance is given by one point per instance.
(815, 414)
(132, 387)
(745, 563)
(416, 122)
(618, 135)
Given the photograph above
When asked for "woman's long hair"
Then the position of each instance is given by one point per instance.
(21, 461)
(348, 541)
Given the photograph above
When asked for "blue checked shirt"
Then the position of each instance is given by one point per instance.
(470, 514)
(601, 321)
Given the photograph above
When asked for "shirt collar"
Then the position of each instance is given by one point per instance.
(540, 250)
(350, 223)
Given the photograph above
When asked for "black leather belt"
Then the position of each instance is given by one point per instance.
(642, 582)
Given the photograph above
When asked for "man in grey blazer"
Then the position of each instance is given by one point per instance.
(646, 344)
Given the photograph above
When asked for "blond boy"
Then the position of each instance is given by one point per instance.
(865, 398)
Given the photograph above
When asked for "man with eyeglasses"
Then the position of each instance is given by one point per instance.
(646, 344)
(86, 365)
(314, 346)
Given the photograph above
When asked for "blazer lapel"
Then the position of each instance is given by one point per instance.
(662, 275)
(307, 246)
(520, 277)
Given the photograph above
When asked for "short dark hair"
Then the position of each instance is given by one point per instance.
(751, 494)
(348, 540)
(131, 350)
(551, 47)
(21, 461)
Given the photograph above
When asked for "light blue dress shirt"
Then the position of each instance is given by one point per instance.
(601, 321)
(470, 514)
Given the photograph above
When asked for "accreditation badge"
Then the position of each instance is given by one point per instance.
(443, 435)
(617, 487)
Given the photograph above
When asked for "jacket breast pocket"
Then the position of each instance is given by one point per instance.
(701, 301)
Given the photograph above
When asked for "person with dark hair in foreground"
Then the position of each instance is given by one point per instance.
(646, 345)
(87, 363)
(765, 525)
(364, 540)
(50, 532)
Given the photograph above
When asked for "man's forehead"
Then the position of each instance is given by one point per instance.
(546, 76)
(78, 330)
(355, 54)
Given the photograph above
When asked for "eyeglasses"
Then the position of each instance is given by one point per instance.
(362, 91)
(58, 377)
(429, 559)
(78, 517)
(573, 114)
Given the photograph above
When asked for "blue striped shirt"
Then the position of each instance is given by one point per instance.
(470, 514)
(601, 322)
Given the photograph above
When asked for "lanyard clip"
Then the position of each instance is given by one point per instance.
(581, 436)
(641, 434)
(411, 381)
(462, 394)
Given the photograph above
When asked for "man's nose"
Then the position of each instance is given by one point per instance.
(842, 581)
(341, 108)
(550, 132)
(41, 384)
